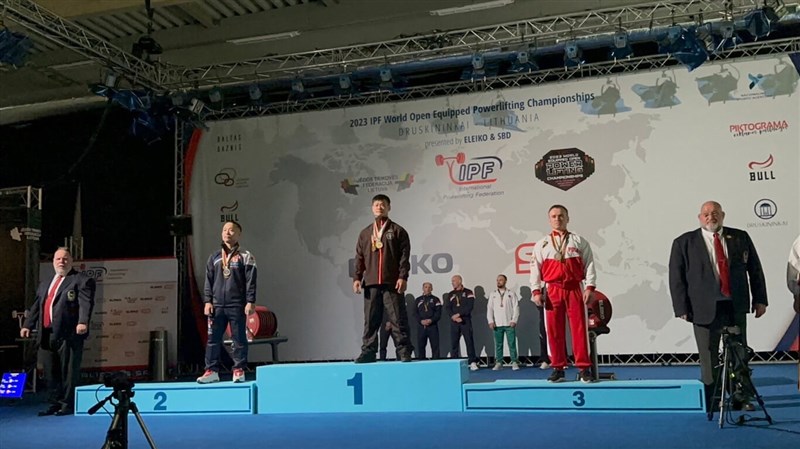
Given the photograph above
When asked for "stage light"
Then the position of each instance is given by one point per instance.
(622, 47)
(572, 54)
(344, 82)
(684, 45)
(111, 79)
(299, 91)
(759, 22)
(14, 47)
(215, 95)
(255, 92)
(726, 29)
(387, 81)
(522, 62)
(196, 105)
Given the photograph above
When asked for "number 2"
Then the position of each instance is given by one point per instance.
(358, 388)
(161, 397)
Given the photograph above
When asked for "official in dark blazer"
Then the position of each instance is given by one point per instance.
(714, 285)
(61, 312)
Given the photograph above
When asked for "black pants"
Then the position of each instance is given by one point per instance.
(61, 360)
(425, 334)
(223, 316)
(383, 340)
(380, 299)
(464, 328)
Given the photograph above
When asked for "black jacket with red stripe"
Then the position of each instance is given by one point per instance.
(387, 264)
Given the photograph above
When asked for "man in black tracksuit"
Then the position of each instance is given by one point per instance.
(426, 314)
(459, 307)
(382, 264)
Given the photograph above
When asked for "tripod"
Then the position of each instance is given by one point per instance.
(117, 435)
(734, 384)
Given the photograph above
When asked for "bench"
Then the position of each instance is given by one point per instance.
(272, 341)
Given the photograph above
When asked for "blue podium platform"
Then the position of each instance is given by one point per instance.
(177, 398)
(430, 386)
(662, 396)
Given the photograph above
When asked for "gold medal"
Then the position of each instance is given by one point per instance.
(226, 272)
(378, 244)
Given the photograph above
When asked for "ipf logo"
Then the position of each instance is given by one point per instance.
(479, 170)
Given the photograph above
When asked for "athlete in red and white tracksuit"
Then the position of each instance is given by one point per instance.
(567, 268)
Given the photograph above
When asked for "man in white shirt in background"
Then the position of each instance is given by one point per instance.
(502, 313)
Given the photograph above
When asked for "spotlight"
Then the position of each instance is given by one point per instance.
(344, 82)
(111, 79)
(299, 91)
(684, 45)
(178, 99)
(297, 86)
(255, 92)
(387, 81)
(622, 47)
(572, 54)
(196, 105)
(14, 47)
(477, 61)
(215, 95)
(759, 22)
(522, 62)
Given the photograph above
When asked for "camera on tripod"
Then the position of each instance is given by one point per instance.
(119, 382)
(117, 435)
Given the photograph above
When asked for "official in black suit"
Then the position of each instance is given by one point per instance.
(61, 312)
(713, 272)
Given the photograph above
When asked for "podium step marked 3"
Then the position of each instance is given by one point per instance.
(662, 396)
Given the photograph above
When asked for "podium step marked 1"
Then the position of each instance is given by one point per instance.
(176, 398)
(662, 396)
(430, 386)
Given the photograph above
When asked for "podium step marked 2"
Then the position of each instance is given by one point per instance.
(430, 386)
(662, 396)
(176, 398)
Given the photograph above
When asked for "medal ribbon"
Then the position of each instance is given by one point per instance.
(227, 260)
(377, 234)
(562, 246)
(502, 295)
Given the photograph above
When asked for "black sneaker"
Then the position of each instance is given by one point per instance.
(405, 358)
(366, 357)
(556, 376)
(586, 376)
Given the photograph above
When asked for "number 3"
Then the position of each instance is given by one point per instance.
(580, 399)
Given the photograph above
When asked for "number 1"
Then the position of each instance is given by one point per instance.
(358, 389)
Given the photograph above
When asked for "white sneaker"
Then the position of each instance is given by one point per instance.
(544, 365)
(473, 366)
(515, 366)
(238, 375)
(208, 377)
(497, 367)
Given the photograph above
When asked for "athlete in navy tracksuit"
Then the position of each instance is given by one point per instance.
(230, 295)
(459, 308)
(426, 315)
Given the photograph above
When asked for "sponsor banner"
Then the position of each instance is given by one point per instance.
(471, 178)
(133, 297)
